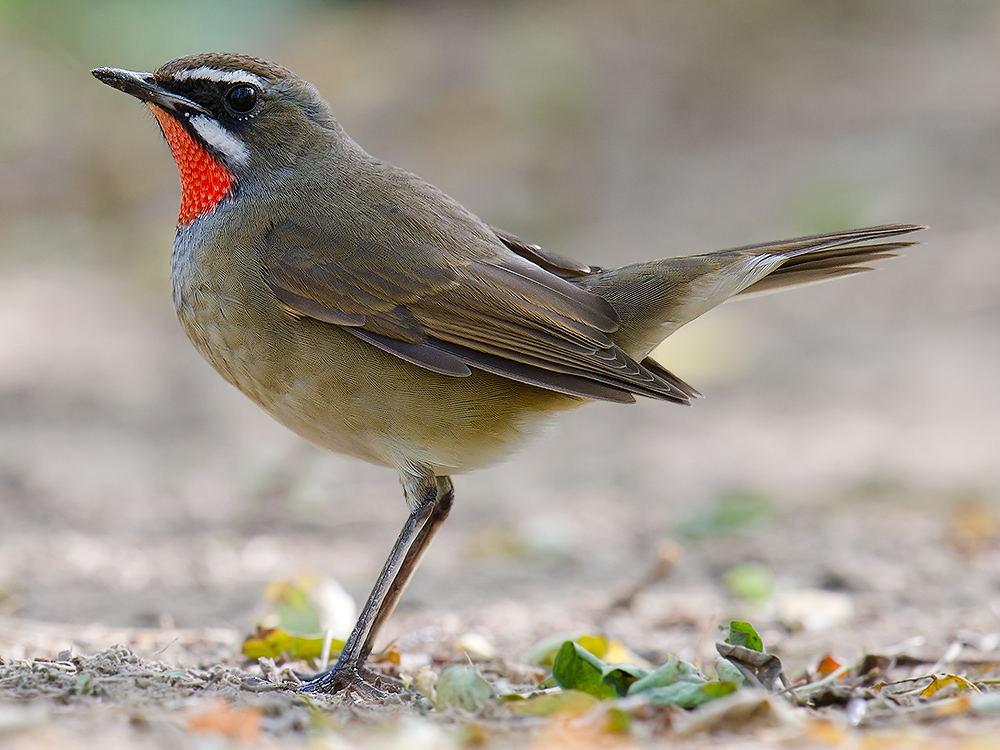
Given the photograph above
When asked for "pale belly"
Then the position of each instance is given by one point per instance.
(350, 397)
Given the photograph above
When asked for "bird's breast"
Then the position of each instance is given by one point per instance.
(334, 389)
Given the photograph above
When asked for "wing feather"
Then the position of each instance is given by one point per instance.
(494, 310)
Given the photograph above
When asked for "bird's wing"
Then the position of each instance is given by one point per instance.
(560, 265)
(492, 309)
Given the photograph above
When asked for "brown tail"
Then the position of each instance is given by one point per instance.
(655, 298)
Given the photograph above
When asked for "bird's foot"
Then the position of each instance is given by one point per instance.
(362, 682)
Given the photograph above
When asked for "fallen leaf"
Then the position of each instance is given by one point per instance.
(389, 655)
(737, 711)
(743, 634)
(618, 653)
(595, 644)
(758, 668)
(572, 702)
(462, 686)
(544, 652)
(221, 718)
(828, 665)
(424, 680)
(675, 670)
(949, 684)
(576, 668)
(688, 694)
(678, 683)
(621, 676)
(278, 644)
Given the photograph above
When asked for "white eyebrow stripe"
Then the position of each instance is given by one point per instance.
(221, 139)
(205, 73)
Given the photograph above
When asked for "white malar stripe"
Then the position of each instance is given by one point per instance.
(221, 139)
(205, 73)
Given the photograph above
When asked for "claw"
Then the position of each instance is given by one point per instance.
(364, 683)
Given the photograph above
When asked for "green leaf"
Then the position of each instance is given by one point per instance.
(462, 686)
(679, 683)
(719, 688)
(732, 512)
(621, 676)
(727, 672)
(743, 634)
(750, 581)
(575, 668)
(688, 694)
(681, 694)
(294, 608)
(670, 673)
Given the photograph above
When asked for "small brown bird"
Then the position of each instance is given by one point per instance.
(375, 316)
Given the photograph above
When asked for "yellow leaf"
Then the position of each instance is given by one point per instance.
(269, 642)
(275, 643)
(611, 650)
(939, 683)
(595, 644)
(619, 653)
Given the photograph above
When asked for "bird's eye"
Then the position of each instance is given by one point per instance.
(241, 98)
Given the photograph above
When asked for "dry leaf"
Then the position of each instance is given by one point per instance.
(828, 665)
(949, 684)
(222, 718)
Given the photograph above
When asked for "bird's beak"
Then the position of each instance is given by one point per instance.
(144, 86)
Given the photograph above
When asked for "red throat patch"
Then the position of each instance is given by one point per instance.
(204, 181)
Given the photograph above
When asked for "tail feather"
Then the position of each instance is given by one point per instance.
(823, 265)
(815, 242)
(655, 298)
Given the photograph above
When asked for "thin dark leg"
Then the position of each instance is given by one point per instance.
(431, 499)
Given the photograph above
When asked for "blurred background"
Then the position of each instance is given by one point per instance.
(849, 437)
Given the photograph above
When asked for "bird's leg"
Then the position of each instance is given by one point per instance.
(429, 499)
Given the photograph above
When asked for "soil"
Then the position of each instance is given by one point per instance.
(845, 457)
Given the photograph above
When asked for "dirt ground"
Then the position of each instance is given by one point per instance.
(145, 505)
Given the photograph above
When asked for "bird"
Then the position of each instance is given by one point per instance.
(376, 317)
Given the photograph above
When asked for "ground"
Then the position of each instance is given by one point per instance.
(842, 465)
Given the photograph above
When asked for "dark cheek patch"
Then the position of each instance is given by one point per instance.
(204, 182)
